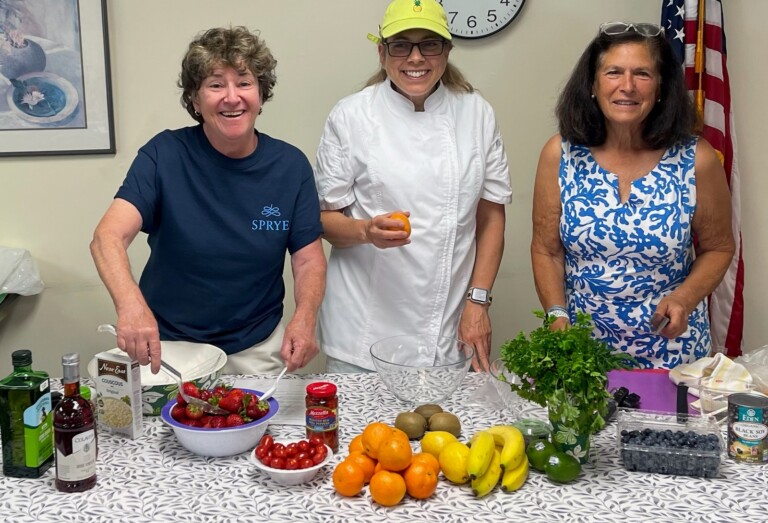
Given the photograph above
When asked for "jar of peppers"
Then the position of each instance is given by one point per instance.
(322, 405)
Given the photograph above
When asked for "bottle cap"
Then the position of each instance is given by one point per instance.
(21, 358)
(321, 389)
(71, 364)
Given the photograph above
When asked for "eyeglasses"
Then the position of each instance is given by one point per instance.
(402, 48)
(644, 29)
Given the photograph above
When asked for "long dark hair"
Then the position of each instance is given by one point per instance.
(672, 119)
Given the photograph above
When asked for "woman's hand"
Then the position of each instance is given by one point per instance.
(384, 232)
(475, 329)
(674, 309)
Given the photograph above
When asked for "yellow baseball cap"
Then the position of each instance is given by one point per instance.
(402, 15)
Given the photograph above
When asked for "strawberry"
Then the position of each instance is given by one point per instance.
(206, 394)
(234, 420)
(218, 422)
(257, 409)
(236, 393)
(180, 401)
(194, 412)
(231, 403)
(190, 389)
(220, 391)
(178, 412)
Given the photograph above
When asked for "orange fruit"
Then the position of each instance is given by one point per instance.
(395, 453)
(357, 444)
(403, 218)
(373, 434)
(387, 488)
(348, 478)
(426, 459)
(364, 462)
(420, 480)
(378, 467)
(400, 434)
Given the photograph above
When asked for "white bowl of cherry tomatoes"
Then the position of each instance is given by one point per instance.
(293, 463)
(220, 435)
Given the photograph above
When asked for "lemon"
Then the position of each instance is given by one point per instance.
(562, 467)
(453, 462)
(538, 452)
(434, 441)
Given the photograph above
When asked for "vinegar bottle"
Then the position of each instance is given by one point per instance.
(25, 419)
(74, 433)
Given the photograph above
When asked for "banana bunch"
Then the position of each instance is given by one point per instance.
(497, 454)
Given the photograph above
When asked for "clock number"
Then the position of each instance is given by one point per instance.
(472, 22)
(492, 15)
(452, 14)
(502, 2)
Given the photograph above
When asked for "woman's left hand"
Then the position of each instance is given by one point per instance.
(475, 329)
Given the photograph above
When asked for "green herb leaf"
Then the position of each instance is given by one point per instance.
(565, 370)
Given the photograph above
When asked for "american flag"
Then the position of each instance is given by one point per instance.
(696, 31)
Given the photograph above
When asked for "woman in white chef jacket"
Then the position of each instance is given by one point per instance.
(418, 139)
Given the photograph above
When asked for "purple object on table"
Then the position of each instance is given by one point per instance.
(656, 390)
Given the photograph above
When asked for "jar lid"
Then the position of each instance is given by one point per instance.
(321, 389)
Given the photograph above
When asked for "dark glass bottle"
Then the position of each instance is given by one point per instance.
(25, 419)
(74, 433)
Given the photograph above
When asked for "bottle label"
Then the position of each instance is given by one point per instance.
(321, 419)
(81, 463)
(38, 432)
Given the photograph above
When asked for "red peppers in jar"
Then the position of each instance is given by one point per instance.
(322, 405)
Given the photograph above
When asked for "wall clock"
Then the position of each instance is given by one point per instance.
(480, 18)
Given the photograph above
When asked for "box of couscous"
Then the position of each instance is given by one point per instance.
(118, 394)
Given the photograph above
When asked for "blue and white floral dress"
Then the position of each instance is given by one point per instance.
(621, 258)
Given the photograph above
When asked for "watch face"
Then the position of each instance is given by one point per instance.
(479, 18)
(480, 295)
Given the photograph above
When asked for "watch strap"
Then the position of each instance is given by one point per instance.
(557, 311)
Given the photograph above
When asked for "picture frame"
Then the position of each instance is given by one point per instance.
(55, 79)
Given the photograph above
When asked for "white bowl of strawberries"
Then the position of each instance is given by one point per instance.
(292, 463)
(220, 435)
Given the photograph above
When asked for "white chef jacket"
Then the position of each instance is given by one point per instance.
(378, 155)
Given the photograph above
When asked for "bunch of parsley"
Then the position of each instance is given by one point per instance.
(565, 370)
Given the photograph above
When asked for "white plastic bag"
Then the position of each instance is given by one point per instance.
(18, 273)
(756, 362)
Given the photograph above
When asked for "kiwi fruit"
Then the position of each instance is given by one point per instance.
(445, 421)
(428, 409)
(412, 423)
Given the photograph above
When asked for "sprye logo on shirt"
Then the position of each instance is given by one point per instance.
(270, 211)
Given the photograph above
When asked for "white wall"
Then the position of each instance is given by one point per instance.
(51, 205)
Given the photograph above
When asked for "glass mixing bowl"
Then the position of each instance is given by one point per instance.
(421, 368)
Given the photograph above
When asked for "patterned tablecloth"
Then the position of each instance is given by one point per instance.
(154, 479)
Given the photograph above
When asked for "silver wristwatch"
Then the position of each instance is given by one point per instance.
(478, 295)
(557, 311)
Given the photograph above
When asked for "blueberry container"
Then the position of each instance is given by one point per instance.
(663, 443)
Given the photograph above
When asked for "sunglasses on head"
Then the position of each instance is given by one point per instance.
(644, 29)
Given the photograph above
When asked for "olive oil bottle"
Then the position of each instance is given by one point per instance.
(26, 419)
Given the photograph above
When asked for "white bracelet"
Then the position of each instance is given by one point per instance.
(558, 311)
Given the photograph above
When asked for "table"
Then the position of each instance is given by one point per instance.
(151, 479)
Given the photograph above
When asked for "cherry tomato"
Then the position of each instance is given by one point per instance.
(267, 458)
(322, 452)
(277, 446)
(303, 445)
(277, 463)
(279, 453)
(261, 451)
(291, 464)
(317, 458)
(306, 463)
(303, 455)
(267, 441)
(291, 450)
(315, 441)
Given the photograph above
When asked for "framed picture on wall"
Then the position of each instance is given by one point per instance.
(55, 87)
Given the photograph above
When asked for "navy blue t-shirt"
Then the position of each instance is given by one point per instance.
(218, 229)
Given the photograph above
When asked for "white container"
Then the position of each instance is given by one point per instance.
(118, 394)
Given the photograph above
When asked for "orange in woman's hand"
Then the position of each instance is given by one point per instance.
(403, 218)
